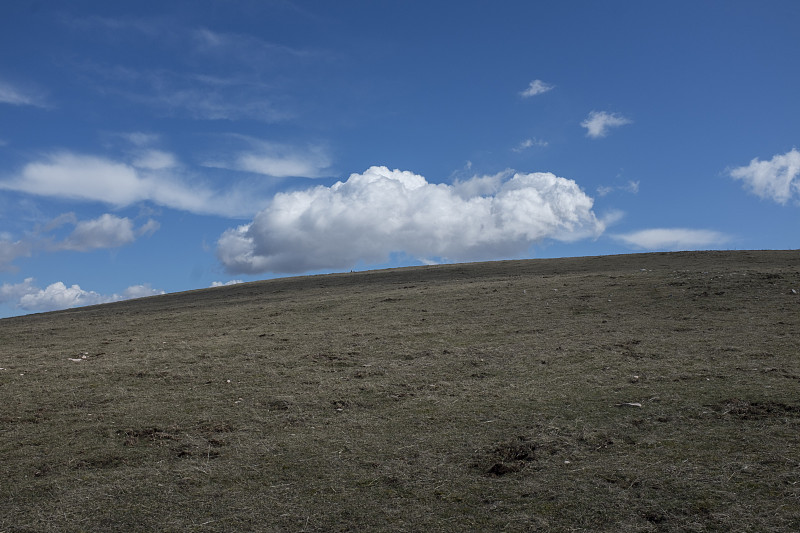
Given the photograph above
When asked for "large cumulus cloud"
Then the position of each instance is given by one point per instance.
(382, 211)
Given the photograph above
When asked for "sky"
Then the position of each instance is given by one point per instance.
(156, 147)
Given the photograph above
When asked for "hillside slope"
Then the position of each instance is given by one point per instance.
(646, 392)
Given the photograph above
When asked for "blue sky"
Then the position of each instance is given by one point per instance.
(150, 147)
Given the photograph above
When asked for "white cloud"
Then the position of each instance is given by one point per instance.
(674, 239)
(225, 284)
(536, 87)
(148, 228)
(82, 177)
(777, 179)
(10, 94)
(631, 187)
(598, 123)
(107, 231)
(91, 178)
(57, 295)
(10, 292)
(479, 185)
(276, 159)
(139, 291)
(382, 211)
(527, 143)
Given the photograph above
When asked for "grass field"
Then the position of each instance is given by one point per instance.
(647, 392)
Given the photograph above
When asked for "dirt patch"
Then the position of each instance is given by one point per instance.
(756, 410)
(506, 457)
(135, 436)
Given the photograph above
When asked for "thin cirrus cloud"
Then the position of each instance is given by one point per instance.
(155, 160)
(242, 48)
(14, 95)
(536, 87)
(196, 96)
(598, 123)
(674, 239)
(380, 212)
(93, 178)
(215, 75)
(29, 297)
(777, 179)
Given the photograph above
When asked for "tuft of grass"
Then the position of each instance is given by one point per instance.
(647, 392)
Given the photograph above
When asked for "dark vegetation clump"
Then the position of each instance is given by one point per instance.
(646, 393)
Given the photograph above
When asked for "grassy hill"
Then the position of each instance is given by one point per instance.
(648, 392)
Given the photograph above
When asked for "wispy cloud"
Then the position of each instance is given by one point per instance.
(139, 138)
(777, 179)
(197, 96)
(11, 249)
(155, 160)
(536, 87)
(631, 187)
(211, 75)
(382, 211)
(598, 123)
(529, 143)
(28, 296)
(277, 160)
(116, 29)
(15, 95)
(674, 239)
(93, 178)
(243, 47)
(106, 231)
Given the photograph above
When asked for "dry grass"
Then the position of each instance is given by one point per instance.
(652, 392)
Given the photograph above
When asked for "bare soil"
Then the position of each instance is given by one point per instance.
(646, 392)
